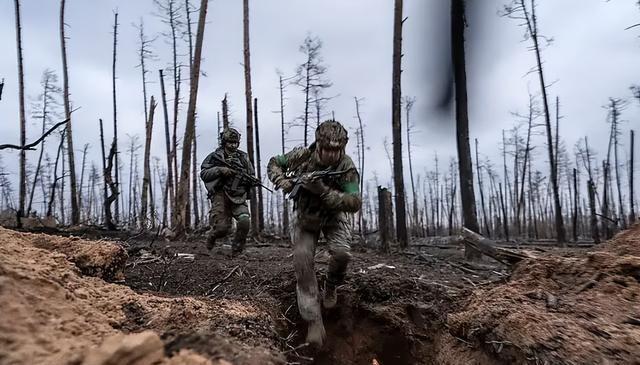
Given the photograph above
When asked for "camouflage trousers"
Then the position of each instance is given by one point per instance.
(220, 214)
(304, 235)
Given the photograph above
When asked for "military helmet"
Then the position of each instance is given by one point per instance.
(331, 134)
(230, 135)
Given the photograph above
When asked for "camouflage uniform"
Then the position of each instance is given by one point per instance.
(315, 213)
(227, 194)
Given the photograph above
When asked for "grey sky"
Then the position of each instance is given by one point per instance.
(592, 58)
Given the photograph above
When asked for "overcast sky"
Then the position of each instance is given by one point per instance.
(591, 59)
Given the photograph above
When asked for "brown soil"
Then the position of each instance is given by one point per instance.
(427, 307)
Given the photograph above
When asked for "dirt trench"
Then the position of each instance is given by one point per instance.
(390, 310)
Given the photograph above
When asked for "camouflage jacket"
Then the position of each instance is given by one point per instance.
(214, 180)
(343, 194)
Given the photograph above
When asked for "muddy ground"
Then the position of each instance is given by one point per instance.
(425, 305)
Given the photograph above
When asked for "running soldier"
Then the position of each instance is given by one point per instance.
(325, 183)
(223, 173)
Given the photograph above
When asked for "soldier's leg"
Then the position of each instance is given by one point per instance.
(243, 225)
(337, 231)
(219, 219)
(304, 242)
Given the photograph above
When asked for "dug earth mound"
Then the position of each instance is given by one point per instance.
(73, 301)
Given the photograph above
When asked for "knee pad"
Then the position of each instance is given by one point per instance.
(244, 223)
(341, 257)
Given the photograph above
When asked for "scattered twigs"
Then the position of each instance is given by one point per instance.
(590, 283)
(632, 320)
(220, 282)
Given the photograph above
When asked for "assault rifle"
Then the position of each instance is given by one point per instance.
(301, 180)
(240, 175)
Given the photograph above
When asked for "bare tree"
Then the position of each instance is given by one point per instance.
(396, 94)
(115, 109)
(225, 112)
(109, 185)
(285, 203)
(183, 187)
(260, 203)
(632, 213)
(311, 78)
(249, 112)
(49, 100)
(526, 11)
(23, 132)
(75, 210)
(169, 196)
(361, 167)
(146, 179)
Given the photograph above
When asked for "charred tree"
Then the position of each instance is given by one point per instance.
(115, 121)
(311, 78)
(75, 210)
(396, 94)
(632, 212)
(23, 131)
(146, 178)
(467, 194)
(183, 187)
(285, 203)
(260, 205)
(169, 195)
(408, 105)
(519, 9)
(249, 112)
(225, 112)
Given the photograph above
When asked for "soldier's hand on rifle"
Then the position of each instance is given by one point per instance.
(316, 187)
(285, 184)
(225, 171)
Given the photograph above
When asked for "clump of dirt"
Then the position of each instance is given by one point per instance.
(52, 314)
(575, 309)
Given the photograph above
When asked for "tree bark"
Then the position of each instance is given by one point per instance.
(249, 112)
(183, 187)
(75, 211)
(115, 122)
(146, 178)
(462, 122)
(384, 218)
(225, 113)
(632, 213)
(259, 169)
(396, 94)
(285, 203)
(533, 31)
(23, 132)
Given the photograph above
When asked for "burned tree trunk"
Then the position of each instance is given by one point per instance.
(146, 178)
(23, 132)
(75, 210)
(592, 211)
(169, 195)
(54, 185)
(462, 122)
(225, 112)
(384, 218)
(183, 188)
(632, 213)
(115, 121)
(249, 112)
(396, 92)
(260, 204)
(285, 203)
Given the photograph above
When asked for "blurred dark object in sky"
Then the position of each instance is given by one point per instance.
(440, 37)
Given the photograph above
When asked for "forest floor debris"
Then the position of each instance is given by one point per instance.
(422, 306)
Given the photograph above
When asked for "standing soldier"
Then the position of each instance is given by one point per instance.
(227, 174)
(320, 205)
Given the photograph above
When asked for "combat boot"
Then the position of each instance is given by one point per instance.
(316, 333)
(211, 241)
(330, 295)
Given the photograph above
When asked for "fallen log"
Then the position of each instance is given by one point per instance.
(488, 248)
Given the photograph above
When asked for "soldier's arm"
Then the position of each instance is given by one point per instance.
(280, 164)
(209, 171)
(347, 199)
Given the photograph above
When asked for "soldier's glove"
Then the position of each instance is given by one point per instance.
(285, 184)
(225, 171)
(316, 187)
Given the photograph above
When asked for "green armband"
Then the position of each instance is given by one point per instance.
(351, 188)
